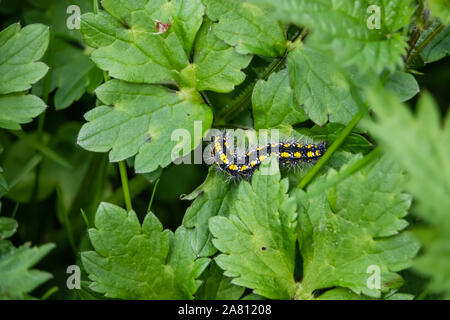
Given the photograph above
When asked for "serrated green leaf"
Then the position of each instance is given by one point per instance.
(213, 198)
(19, 108)
(17, 279)
(403, 84)
(342, 27)
(353, 226)
(19, 69)
(320, 87)
(257, 240)
(274, 104)
(421, 147)
(217, 65)
(141, 122)
(130, 46)
(19, 51)
(134, 261)
(251, 28)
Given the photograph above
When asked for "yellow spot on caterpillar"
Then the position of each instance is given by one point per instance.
(285, 155)
(310, 154)
(244, 167)
(288, 161)
(317, 153)
(309, 146)
(232, 167)
(223, 157)
(253, 163)
(261, 158)
(286, 145)
(226, 144)
(299, 145)
(297, 154)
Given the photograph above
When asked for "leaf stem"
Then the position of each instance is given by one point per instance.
(153, 195)
(126, 191)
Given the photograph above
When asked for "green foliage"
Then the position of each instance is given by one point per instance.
(341, 26)
(421, 146)
(134, 261)
(15, 263)
(19, 69)
(143, 81)
(353, 226)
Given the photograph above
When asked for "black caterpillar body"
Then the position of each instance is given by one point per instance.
(244, 165)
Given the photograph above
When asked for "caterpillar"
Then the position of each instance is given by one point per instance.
(239, 164)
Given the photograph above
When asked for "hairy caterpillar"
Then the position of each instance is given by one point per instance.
(240, 164)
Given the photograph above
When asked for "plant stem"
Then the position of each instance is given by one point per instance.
(336, 144)
(153, 195)
(126, 191)
(95, 6)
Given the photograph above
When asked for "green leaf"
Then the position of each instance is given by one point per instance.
(129, 46)
(353, 226)
(320, 87)
(213, 198)
(141, 122)
(342, 27)
(134, 261)
(421, 147)
(8, 227)
(19, 69)
(217, 65)
(403, 84)
(19, 51)
(17, 279)
(274, 104)
(217, 287)
(257, 240)
(439, 46)
(250, 27)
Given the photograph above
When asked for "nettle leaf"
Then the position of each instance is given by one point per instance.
(274, 104)
(250, 27)
(257, 240)
(134, 261)
(342, 27)
(19, 69)
(352, 227)
(217, 65)
(17, 279)
(214, 197)
(320, 87)
(142, 121)
(216, 286)
(421, 147)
